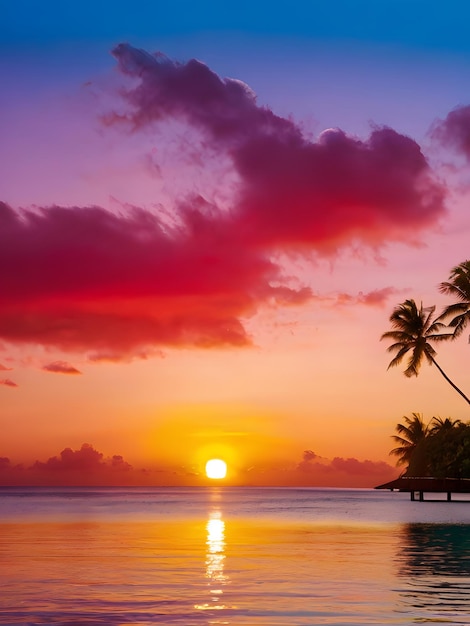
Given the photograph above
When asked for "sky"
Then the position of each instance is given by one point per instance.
(207, 216)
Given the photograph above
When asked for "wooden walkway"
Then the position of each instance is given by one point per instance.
(417, 485)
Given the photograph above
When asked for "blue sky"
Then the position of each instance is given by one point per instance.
(345, 63)
(431, 24)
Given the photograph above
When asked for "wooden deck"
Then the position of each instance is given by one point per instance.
(417, 485)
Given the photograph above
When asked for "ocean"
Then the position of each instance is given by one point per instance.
(231, 556)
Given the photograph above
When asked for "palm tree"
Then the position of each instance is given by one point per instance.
(458, 286)
(440, 425)
(446, 449)
(410, 434)
(413, 331)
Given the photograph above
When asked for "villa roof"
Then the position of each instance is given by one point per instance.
(428, 483)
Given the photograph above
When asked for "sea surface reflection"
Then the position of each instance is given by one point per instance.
(434, 565)
(215, 562)
(231, 557)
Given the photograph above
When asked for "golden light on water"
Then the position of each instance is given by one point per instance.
(216, 469)
(215, 560)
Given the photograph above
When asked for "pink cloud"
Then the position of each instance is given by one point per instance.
(86, 466)
(293, 191)
(454, 130)
(341, 472)
(87, 459)
(362, 468)
(8, 383)
(3, 368)
(377, 297)
(122, 285)
(61, 367)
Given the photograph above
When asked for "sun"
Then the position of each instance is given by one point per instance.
(216, 468)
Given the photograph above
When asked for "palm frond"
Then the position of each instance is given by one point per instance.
(459, 323)
(458, 284)
(439, 424)
(457, 308)
(397, 359)
(397, 335)
(435, 328)
(410, 433)
(414, 362)
(443, 337)
(403, 430)
(426, 315)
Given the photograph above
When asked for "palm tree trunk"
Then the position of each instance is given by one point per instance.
(449, 381)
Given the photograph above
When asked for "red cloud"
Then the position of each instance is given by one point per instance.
(8, 383)
(61, 367)
(118, 285)
(5, 369)
(87, 279)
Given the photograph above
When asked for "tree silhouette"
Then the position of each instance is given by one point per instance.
(458, 286)
(410, 435)
(413, 330)
(440, 449)
(439, 425)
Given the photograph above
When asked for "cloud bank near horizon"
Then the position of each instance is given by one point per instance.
(127, 283)
(89, 467)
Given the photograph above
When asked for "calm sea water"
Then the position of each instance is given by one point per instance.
(229, 556)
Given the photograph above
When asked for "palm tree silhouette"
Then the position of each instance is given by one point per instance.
(458, 286)
(410, 434)
(413, 331)
(440, 425)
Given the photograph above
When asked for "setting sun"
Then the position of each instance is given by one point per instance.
(216, 468)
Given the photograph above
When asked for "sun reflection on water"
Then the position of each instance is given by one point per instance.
(215, 562)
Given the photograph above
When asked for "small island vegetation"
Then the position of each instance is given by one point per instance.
(441, 447)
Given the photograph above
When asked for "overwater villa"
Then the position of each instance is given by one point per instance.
(427, 484)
